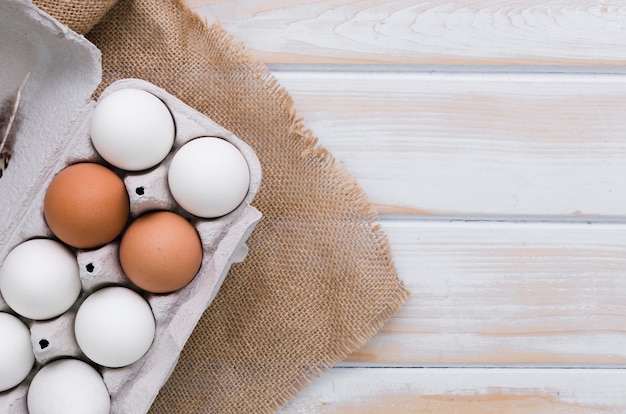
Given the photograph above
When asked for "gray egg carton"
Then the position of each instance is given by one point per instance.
(56, 109)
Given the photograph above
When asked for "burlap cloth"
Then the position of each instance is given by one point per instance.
(319, 279)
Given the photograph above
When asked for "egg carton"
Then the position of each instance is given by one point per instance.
(56, 108)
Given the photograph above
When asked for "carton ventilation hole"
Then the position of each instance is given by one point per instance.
(90, 267)
(139, 190)
(43, 344)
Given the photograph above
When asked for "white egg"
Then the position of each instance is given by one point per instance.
(208, 177)
(40, 279)
(68, 386)
(132, 129)
(114, 327)
(16, 352)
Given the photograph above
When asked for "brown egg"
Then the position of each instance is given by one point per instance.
(86, 205)
(160, 252)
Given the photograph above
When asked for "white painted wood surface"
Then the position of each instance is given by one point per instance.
(463, 391)
(501, 32)
(491, 135)
(506, 294)
(474, 144)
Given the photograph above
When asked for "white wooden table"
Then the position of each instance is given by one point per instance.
(491, 135)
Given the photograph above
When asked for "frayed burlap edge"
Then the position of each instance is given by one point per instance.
(354, 193)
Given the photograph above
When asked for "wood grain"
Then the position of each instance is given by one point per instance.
(439, 32)
(473, 144)
(463, 391)
(504, 293)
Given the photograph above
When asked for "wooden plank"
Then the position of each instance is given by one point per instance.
(505, 294)
(439, 32)
(463, 391)
(474, 144)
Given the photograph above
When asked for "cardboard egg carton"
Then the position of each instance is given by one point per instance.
(54, 133)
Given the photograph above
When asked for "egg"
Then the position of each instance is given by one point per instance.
(114, 326)
(68, 386)
(40, 279)
(86, 205)
(16, 352)
(208, 177)
(160, 252)
(132, 129)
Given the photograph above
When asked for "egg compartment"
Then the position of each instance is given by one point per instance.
(55, 134)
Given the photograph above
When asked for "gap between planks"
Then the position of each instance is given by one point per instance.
(388, 213)
(504, 70)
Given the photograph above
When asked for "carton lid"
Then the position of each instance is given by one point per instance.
(65, 69)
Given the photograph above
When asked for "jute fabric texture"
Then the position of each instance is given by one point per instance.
(319, 280)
